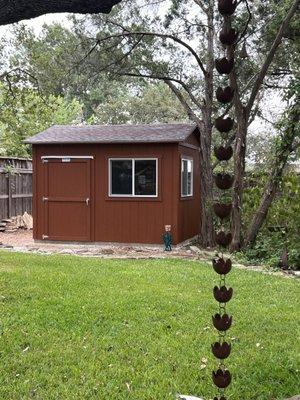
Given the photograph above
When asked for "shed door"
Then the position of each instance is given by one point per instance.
(67, 205)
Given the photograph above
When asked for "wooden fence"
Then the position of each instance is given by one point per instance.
(15, 186)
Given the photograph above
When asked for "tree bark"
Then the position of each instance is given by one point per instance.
(206, 236)
(15, 11)
(275, 177)
(239, 175)
(243, 115)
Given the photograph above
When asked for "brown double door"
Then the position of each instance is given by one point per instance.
(67, 198)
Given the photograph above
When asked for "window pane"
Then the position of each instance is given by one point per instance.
(189, 177)
(184, 183)
(121, 177)
(186, 177)
(145, 177)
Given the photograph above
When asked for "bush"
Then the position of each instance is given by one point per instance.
(281, 228)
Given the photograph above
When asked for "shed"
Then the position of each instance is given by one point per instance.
(116, 183)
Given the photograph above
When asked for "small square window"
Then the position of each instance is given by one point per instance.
(186, 177)
(133, 177)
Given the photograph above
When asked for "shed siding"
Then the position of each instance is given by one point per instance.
(188, 207)
(126, 220)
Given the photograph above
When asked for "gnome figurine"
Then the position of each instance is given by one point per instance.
(167, 238)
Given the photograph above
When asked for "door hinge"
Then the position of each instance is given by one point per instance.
(45, 198)
(45, 237)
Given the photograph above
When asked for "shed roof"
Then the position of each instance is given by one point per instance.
(155, 133)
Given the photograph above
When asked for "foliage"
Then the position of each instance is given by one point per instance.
(107, 61)
(281, 227)
(86, 328)
(152, 104)
(53, 60)
(24, 113)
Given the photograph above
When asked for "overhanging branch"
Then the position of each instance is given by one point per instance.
(270, 56)
(17, 10)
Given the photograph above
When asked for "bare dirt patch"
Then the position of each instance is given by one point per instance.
(22, 240)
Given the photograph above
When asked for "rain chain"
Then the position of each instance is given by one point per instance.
(224, 181)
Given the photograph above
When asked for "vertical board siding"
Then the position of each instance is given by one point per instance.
(189, 207)
(15, 186)
(126, 220)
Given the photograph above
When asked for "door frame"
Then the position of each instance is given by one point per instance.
(45, 199)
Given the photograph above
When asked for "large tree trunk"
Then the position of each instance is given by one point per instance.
(17, 10)
(206, 235)
(239, 174)
(239, 151)
(275, 177)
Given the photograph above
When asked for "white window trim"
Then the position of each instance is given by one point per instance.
(133, 159)
(192, 182)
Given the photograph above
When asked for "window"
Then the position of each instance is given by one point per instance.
(186, 177)
(133, 177)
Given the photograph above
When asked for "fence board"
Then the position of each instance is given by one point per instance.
(15, 186)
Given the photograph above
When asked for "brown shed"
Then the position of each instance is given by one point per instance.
(116, 183)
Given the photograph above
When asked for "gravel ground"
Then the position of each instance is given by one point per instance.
(22, 241)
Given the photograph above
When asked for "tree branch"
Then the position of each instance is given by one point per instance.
(17, 10)
(160, 35)
(164, 79)
(201, 5)
(271, 54)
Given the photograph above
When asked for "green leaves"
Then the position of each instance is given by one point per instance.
(24, 113)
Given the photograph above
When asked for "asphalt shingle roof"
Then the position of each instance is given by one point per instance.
(156, 133)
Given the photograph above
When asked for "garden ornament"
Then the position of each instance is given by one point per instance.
(224, 124)
(222, 321)
(222, 210)
(224, 181)
(223, 239)
(227, 7)
(223, 294)
(223, 153)
(222, 266)
(167, 238)
(225, 95)
(228, 36)
(224, 65)
(221, 378)
(222, 350)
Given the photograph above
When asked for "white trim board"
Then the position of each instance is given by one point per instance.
(67, 156)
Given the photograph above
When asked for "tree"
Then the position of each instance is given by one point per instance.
(173, 42)
(26, 113)
(177, 46)
(18, 10)
(152, 104)
(288, 142)
(243, 114)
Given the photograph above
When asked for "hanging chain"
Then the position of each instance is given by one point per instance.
(224, 181)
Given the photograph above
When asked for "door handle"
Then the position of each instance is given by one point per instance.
(87, 201)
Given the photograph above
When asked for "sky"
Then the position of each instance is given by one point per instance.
(273, 105)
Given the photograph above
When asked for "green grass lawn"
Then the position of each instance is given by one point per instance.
(79, 328)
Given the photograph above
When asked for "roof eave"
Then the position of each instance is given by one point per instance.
(105, 142)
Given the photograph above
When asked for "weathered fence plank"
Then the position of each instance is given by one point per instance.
(15, 186)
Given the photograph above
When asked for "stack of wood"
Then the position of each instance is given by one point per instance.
(18, 222)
